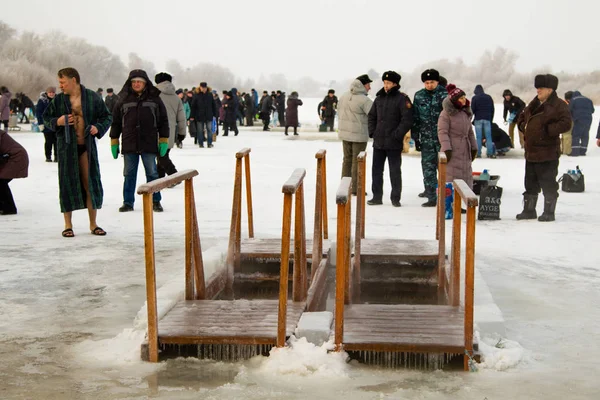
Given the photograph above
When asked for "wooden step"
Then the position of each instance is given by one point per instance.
(391, 251)
(270, 248)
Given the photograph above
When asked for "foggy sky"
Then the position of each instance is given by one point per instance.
(325, 39)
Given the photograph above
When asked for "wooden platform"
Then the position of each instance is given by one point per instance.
(398, 250)
(226, 322)
(271, 248)
(404, 328)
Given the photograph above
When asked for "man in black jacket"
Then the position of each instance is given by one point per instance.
(111, 99)
(512, 108)
(265, 106)
(329, 107)
(390, 118)
(141, 116)
(203, 109)
(281, 107)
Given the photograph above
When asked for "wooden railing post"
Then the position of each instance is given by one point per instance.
(293, 186)
(324, 198)
(249, 196)
(469, 282)
(320, 204)
(440, 229)
(456, 240)
(360, 193)
(284, 269)
(342, 258)
(150, 278)
(463, 193)
(189, 239)
(199, 282)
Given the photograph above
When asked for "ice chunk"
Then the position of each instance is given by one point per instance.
(315, 327)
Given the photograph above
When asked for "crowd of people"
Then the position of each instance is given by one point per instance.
(147, 120)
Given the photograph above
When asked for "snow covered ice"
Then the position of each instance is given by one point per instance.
(73, 310)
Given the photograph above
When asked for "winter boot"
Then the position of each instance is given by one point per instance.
(431, 196)
(529, 203)
(549, 207)
(423, 194)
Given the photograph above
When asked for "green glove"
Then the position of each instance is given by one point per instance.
(162, 148)
(114, 148)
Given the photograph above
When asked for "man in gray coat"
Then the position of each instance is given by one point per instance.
(353, 129)
(177, 122)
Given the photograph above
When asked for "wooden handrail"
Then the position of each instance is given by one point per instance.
(235, 234)
(293, 186)
(361, 189)
(464, 194)
(440, 227)
(195, 287)
(294, 181)
(360, 223)
(163, 183)
(342, 256)
(320, 222)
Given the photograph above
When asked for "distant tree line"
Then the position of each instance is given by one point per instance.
(29, 62)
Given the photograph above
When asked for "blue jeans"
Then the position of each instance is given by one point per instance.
(130, 173)
(201, 127)
(482, 127)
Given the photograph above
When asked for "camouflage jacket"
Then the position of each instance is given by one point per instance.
(427, 109)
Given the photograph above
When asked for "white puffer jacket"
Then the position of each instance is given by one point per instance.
(353, 109)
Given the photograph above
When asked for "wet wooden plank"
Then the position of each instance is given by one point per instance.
(411, 328)
(389, 250)
(163, 183)
(222, 321)
(271, 248)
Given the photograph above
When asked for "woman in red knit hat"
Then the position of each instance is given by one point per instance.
(456, 136)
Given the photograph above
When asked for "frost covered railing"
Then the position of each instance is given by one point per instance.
(344, 274)
(195, 288)
(321, 229)
(449, 275)
(235, 232)
(464, 194)
(293, 192)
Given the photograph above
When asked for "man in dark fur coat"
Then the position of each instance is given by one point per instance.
(542, 122)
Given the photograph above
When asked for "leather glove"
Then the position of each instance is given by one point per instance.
(418, 145)
(114, 148)
(448, 155)
(163, 146)
(473, 155)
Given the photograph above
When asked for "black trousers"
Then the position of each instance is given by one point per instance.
(7, 203)
(394, 158)
(329, 122)
(281, 115)
(541, 176)
(164, 165)
(266, 119)
(50, 144)
(229, 125)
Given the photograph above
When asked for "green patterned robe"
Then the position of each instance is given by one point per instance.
(71, 191)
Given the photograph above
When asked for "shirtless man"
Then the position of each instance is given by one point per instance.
(78, 168)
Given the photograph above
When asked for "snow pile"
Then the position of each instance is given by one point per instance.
(500, 354)
(302, 358)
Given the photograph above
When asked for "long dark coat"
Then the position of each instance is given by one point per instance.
(390, 118)
(18, 162)
(291, 112)
(542, 125)
(71, 191)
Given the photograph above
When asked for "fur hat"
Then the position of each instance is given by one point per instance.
(162, 77)
(364, 79)
(331, 91)
(391, 76)
(179, 91)
(203, 84)
(546, 81)
(454, 93)
(430, 75)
